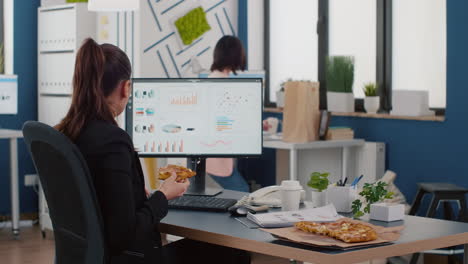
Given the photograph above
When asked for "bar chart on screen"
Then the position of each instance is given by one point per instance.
(224, 123)
(184, 99)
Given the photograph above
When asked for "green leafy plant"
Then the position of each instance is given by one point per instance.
(192, 25)
(340, 74)
(370, 89)
(372, 193)
(319, 181)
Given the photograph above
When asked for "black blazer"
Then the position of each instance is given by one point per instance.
(130, 218)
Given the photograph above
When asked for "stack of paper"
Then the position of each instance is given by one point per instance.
(283, 219)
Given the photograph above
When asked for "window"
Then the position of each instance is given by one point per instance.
(399, 44)
(293, 42)
(419, 46)
(352, 32)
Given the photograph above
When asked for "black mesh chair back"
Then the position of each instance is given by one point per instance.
(70, 195)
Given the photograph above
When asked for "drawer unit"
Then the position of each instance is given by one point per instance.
(55, 72)
(63, 28)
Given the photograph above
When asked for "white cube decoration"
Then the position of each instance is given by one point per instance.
(410, 103)
(387, 212)
(340, 102)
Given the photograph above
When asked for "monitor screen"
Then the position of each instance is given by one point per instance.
(196, 117)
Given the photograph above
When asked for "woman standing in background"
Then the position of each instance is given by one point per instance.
(229, 57)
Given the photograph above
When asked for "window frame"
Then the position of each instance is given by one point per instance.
(384, 40)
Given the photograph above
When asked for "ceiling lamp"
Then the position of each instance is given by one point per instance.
(113, 5)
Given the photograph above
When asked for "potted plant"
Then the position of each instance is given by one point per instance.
(372, 100)
(340, 78)
(372, 193)
(319, 183)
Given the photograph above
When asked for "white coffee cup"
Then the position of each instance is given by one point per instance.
(290, 195)
(271, 125)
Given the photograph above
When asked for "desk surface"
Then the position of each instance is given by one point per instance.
(9, 133)
(321, 144)
(219, 228)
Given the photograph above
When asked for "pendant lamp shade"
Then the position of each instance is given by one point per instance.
(113, 5)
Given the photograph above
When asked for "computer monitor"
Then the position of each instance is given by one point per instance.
(196, 118)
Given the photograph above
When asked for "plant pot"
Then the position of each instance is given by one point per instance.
(280, 99)
(340, 102)
(319, 199)
(372, 104)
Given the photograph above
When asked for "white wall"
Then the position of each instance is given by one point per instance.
(156, 26)
(145, 33)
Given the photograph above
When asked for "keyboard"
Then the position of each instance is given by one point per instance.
(202, 203)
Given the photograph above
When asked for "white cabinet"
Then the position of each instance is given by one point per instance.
(55, 73)
(53, 108)
(64, 27)
(61, 31)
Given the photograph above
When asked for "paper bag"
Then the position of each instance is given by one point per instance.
(301, 114)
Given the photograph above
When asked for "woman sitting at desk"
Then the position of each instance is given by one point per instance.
(101, 89)
(229, 57)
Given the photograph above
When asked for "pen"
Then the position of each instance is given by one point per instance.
(356, 181)
(345, 180)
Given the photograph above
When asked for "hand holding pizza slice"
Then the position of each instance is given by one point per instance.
(182, 172)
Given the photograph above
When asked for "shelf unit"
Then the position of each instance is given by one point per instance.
(61, 30)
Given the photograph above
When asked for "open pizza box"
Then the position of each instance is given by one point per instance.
(386, 235)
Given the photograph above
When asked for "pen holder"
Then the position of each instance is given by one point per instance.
(342, 197)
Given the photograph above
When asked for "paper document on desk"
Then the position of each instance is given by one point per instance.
(284, 219)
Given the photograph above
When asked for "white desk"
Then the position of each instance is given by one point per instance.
(420, 234)
(293, 148)
(13, 136)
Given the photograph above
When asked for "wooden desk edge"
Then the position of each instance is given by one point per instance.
(314, 256)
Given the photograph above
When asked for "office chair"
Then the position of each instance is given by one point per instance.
(70, 195)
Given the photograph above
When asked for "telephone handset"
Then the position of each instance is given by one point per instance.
(270, 196)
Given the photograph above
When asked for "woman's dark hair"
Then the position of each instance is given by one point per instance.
(99, 69)
(229, 54)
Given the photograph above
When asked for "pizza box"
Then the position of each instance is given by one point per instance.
(386, 235)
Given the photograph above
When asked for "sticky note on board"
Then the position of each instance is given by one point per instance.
(104, 20)
(104, 35)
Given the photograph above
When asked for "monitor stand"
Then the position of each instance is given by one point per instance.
(197, 184)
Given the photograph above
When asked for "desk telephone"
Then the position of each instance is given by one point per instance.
(260, 200)
(270, 196)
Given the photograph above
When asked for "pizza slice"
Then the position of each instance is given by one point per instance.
(345, 231)
(182, 172)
